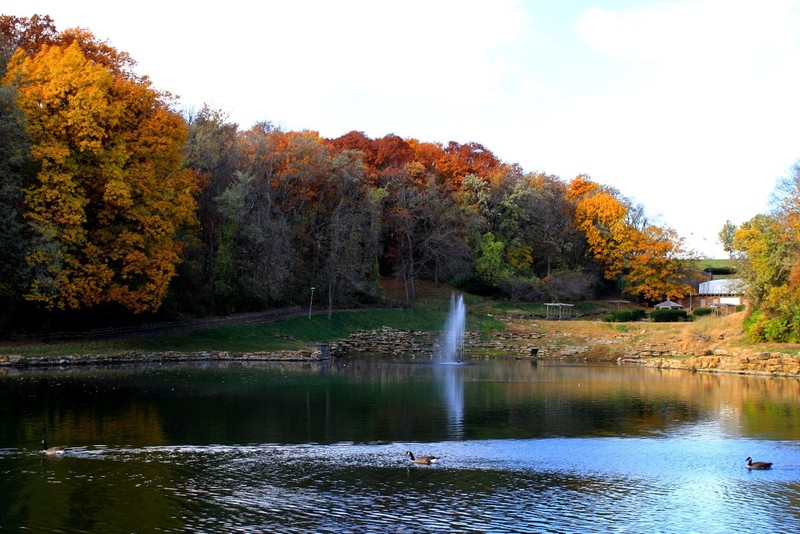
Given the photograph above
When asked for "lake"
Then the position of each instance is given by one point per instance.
(524, 446)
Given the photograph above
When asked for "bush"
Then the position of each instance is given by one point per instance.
(668, 316)
(566, 285)
(721, 271)
(524, 289)
(699, 312)
(472, 284)
(625, 315)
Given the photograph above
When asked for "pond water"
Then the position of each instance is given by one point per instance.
(523, 447)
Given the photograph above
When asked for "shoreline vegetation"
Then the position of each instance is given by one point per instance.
(496, 330)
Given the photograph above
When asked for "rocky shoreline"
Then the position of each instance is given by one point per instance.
(720, 361)
(404, 343)
(133, 357)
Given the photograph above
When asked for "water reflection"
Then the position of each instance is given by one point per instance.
(450, 377)
(373, 401)
(305, 447)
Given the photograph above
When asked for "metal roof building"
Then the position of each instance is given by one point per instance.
(723, 286)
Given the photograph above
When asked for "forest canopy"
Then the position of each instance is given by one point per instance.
(113, 201)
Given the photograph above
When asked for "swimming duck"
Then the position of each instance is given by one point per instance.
(425, 460)
(757, 465)
(50, 451)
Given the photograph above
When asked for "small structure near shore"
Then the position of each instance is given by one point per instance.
(558, 310)
(668, 305)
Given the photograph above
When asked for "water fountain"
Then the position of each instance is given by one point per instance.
(451, 349)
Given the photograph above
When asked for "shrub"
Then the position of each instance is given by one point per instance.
(569, 285)
(521, 288)
(472, 284)
(699, 312)
(625, 315)
(668, 316)
(721, 271)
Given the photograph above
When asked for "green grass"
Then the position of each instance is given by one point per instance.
(533, 308)
(288, 334)
(714, 264)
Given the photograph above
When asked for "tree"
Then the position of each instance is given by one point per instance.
(110, 195)
(727, 235)
(350, 229)
(16, 173)
(559, 244)
(424, 231)
(600, 216)
(490, 263)
(658, 267)
(255, 257)
(213, 152)
(768, 246)
(28, 34)
(650, 259)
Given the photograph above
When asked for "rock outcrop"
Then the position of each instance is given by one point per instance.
(721, 361)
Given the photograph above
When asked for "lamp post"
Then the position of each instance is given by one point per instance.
(310, 304)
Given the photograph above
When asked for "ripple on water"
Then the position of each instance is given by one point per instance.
(552, 485)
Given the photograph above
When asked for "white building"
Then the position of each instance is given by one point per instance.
(725, 292)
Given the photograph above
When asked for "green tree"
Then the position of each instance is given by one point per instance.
(16, 172)
(491, 264)
(213, 152)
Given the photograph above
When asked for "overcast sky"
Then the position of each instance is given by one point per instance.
(689, 108)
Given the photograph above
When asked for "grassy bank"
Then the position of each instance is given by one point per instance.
(428, 314)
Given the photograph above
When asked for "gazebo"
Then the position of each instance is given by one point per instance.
(668, 305)
(558, 310)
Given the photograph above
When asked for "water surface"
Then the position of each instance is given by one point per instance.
(523, 447)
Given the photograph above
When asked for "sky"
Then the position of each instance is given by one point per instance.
(689, 108)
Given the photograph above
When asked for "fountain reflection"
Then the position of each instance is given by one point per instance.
(450, 373)
(451, 380)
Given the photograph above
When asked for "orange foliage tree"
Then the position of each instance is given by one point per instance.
(110, 194)
(651, 259)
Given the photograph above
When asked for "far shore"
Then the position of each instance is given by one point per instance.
(402, 343)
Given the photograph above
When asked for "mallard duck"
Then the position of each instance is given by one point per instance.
(50, 451)
(757, 465)
(425, 460)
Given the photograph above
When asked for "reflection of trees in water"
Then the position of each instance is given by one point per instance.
(363, 400)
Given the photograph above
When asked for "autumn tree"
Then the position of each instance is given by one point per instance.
(559, 245)
(650, 260)
(27, 34)
(110, 195)
(658, 266)
(425, 232)
(768, 246)
(300, 213)
(348, 229)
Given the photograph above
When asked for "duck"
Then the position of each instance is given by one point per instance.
(51, 451)
(425, 460)
(757, 465)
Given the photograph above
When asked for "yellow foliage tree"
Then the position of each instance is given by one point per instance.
(110, 195)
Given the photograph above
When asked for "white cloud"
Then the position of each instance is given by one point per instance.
(703, 113)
